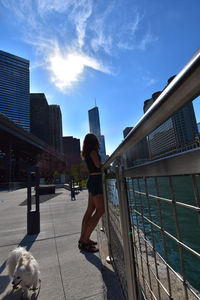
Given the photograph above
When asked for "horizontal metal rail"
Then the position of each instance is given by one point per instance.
(184, 163)
(184, 88)
(169, 201)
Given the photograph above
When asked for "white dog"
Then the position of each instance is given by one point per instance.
(23, 269)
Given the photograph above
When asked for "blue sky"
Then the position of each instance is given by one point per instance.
(117, 51)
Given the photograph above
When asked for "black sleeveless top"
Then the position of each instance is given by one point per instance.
(90, 164)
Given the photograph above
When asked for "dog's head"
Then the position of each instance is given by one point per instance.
(21, 273)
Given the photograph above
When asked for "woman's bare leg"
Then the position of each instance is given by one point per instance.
(94, 219)
(89, 211)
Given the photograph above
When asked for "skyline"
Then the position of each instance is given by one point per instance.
(116, 54)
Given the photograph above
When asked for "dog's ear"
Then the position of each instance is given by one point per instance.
(20, 260)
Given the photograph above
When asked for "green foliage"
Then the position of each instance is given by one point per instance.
(55, 174)
(83, 183)
(78, 172)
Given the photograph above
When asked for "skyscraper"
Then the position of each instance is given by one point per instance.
(177, 132)
(14, 89)
(185, 125)
(94, 121)
(55, 119)
(71, 150)
(94, 124)
(39, 117)
(198, 126)
(138, 153)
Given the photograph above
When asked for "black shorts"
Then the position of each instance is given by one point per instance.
(94, 184)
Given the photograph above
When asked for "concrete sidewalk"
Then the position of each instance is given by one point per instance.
(66, 273)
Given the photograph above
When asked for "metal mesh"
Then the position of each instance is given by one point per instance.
(166, 235)
(160, 212)
(116, 240)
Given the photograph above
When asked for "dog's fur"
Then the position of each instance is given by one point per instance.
(23, 270)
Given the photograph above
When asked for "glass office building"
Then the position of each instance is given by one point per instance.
(14, 89)
(175, 134)
(94, 124)
(94, 121)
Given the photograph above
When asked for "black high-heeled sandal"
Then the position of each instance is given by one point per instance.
(87, 247)
(91, 242)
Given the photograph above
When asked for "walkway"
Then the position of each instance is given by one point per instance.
(65, 272)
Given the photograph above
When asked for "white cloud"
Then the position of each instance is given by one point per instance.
(148, 80)
(146, 40)
(125, 45)
(151, 81)
(70, 35)
(142, 44)
(65, 63)
(79, 15)
(77, 12)
(102, 31)
(45, 6)
(102, 42)
(131, 39)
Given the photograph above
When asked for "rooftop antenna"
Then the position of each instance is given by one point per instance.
(95, 102)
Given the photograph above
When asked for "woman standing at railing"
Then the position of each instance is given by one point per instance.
(95, 207)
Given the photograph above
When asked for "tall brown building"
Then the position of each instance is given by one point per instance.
(71, 149)
(39, 117)
(55, 119)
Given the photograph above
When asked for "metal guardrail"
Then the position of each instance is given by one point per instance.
(152, 215)
(184, 88)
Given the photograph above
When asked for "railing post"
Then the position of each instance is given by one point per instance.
(126, 233)
(106, 215)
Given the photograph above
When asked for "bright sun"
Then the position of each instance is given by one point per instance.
(66, 68)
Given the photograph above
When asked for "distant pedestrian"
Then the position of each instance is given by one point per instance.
(73, 193)
(72, 189)
(95, 207)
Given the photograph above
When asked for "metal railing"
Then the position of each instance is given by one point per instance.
(152, 217)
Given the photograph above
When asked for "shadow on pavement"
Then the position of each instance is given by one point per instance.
(28, 241)
(109, 277)
(43, 198)
(10, 294)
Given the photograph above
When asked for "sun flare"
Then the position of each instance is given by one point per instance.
(66, 69)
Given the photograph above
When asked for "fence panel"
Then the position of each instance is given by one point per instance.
(153, 205)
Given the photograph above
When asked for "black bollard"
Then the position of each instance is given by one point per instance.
(33, 216)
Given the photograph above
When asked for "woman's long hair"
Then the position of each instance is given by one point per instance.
(90, 142)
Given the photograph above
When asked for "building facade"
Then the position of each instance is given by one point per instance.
(39, 117)
(94, 124)
(14, 89)
(198, 126)
(55, 121)
(175, 134)
(138, 153)
(71, 150)
(185, 125)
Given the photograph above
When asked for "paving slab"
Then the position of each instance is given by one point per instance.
(66, 273)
